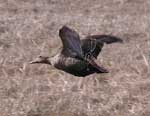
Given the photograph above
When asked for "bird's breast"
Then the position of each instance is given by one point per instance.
(70, 64)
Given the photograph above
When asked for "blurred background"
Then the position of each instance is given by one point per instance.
(29, 28)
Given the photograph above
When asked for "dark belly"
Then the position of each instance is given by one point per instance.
(82, 73)
(76, 67)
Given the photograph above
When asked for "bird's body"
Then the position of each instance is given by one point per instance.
(69, 64)
(78, 57)
(62, 62)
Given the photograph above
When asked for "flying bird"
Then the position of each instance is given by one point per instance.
(78, 57)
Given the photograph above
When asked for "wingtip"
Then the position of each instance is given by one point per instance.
(115, 39)
(104, 70)
(120, 40)
(64, 27)
(63, 30)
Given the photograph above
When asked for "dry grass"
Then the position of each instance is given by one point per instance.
(30, 27)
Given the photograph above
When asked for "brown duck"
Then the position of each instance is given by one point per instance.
(78, 57)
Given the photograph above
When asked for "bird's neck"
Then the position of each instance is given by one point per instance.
(55, 59)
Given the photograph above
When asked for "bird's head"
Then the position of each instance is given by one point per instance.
(41, 59)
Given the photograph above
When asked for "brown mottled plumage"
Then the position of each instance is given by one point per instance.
(78, 57)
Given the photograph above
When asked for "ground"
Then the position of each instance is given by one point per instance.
(29, 28)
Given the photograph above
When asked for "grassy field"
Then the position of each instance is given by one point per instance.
(29, 28)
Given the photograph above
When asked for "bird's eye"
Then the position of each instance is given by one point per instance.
(40, 56)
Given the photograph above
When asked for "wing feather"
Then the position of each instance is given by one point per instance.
(92, 45)
(71, 42)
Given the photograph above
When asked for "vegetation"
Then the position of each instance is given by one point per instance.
(30, 27)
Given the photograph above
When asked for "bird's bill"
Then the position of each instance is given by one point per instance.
(41, 59)
(37, 60)
(33, 62)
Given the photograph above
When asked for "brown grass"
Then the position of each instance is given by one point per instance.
(30, 27)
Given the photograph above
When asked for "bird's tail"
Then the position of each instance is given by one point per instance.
(100, 69)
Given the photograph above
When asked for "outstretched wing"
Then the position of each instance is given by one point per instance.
(71, 43)
(92, 45)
